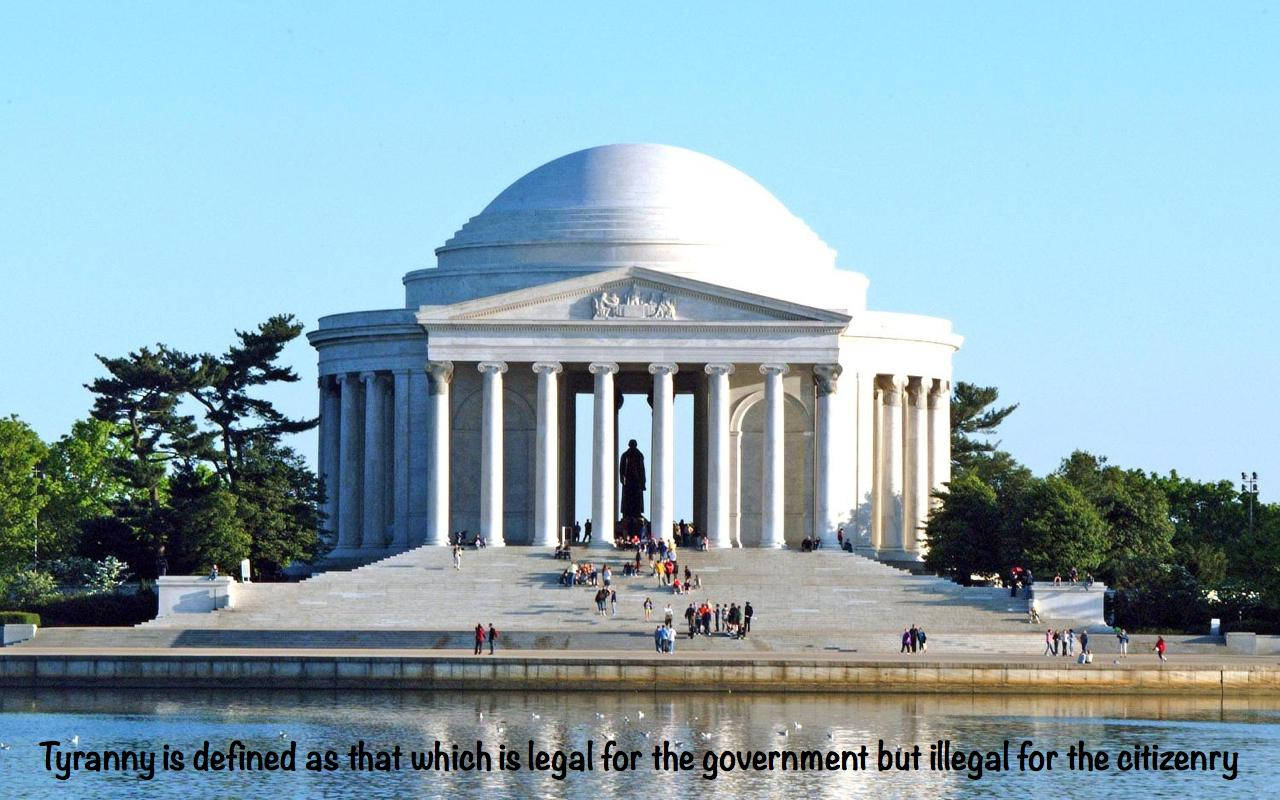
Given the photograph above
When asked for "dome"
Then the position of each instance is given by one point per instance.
(649, 205)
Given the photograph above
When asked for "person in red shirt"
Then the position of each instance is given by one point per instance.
(1160, 648)
(479, 637)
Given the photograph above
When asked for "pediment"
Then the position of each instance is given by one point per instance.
(630, 295)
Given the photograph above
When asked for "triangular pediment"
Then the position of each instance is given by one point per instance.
(629, 295)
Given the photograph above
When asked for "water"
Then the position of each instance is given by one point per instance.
(699, 722)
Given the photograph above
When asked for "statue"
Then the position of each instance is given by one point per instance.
(631, 473)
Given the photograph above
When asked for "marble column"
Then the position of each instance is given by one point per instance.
(329, 457)
(351, 455)
(439, 373)
(546, 517)
(603, 456)
(491, 462)
(824, 516)
(917, 465)
(718, 532)
(662, 499)
(400, 441)
(773, 498)
(375, 461)
(939, 436)
(891, 531)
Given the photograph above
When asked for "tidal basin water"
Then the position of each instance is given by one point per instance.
(143, 722)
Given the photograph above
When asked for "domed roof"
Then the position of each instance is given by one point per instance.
(645, 204)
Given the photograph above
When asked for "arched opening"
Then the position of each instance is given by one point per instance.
(746, 441)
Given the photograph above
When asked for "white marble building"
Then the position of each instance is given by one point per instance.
(633, 268)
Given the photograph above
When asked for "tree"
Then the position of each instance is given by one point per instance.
(222, 386)
(204, 524)
(1058, 528)
(972, 416)
(21, 453)
(82, 483)
(1135, 509)
(966, 533)
(279, 498)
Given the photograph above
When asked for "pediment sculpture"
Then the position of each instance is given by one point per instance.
(655, 305)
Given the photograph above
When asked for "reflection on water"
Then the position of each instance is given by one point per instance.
(319, 720)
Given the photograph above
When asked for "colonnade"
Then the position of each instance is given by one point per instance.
(364, 441)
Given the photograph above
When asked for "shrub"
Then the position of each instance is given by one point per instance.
(19, 618)
(106, 576)
(31, 587)
(98, 610)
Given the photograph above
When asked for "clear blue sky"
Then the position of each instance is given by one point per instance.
(1091, 193)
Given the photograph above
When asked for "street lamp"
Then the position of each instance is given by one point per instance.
(1249, 488)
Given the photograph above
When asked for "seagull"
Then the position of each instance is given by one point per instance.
(646, 734)
(705, 735)
(75, 740)
(599, 715)
(535, 716)
(481, 715)
(283, 735)
(798, 725)
(640, 714)
(4, 745)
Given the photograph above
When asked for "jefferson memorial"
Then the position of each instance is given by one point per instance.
(625, 269)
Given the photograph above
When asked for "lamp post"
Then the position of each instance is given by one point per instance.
(35, 547)
(1249, 488)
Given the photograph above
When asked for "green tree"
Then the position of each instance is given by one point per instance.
(1057, 528)
(1135, 509)
(966, 534)
(973, 421)
(279, 498)
(21, 452)
(204, 524)
(82, 483)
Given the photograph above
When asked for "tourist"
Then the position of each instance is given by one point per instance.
(493, 637)
(457, 557)
(1071, 642)
(213, 573)
(747, 614)
(670, 639)
(690, 616)
(586, 533)
(840, 537)
(658, 636)
(717, 612)
(906, 641)
(1088, 581)
(479, 637)
(1057, 638)
(915, 638)
(676, 587)
(648, 609)
(479, 541)
(601, 596)
(1084, 643)
(1049, 649)
(1057, 579)
(613, 603)
(1033, 616)
(704, 618)
(924, 643)
(1160, 648)
(1123, 637)
(577, 531)
(697, 582)
(607, 575)
(1074, 576)
(668, 615)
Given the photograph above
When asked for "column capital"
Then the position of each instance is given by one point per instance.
(602, 368)
(548, 367)
(939, 389)
(918, 391)
(774, 369)
(825, 377)
(663, 368)
(369, 376)
(439, 373)
(328, 383)
(718, 369)
(492, 367)
(891, 386)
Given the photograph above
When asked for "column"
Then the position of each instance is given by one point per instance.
(824, 517)
(891, 530)
(546, 514)
(603, 456)
(917, 465)
(351, 454)
(662, 499)
(718, 533)
(330, 447)
(773, 501)
(491, 453)
(375, 461)
(939, 436)
(877, 464)
(439, 373)
(400, 461)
